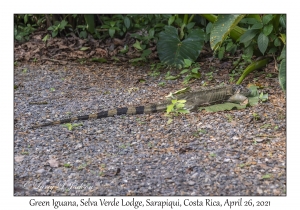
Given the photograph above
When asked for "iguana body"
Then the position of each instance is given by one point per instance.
(231, 93)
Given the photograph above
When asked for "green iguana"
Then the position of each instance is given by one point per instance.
(230, 93)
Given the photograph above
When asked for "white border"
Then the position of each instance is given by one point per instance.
(138, 7)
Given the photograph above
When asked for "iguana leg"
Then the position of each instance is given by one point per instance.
(238, 99)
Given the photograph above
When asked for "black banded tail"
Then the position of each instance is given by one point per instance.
(119, 111)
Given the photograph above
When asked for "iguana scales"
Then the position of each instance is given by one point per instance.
(231, 93)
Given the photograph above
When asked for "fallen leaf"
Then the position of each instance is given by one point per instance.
(19, 158)
(53, 163)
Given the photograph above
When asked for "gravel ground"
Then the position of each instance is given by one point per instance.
(223, 153)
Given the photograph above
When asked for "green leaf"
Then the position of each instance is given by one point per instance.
(89, 19)
(221, 29)
(181, 101)
(277, 42)
(249, 35)
(273, 50)
(221, 53)
(99, 60)
(146, 53)
(187, 63)
(229, 46)
(257, 26)
(25, 19)
(253, 90)
(282, 74)
(124, 50)
(195, 70)
(84, 48)
(190, 25)
(63, 24)
(268, 29)
(183, 111)
(127, 22)
(171, 77)
(54, 33)
(263, 97)
(183, 90)
(249, 51)
(250, 21)
(46, 38)
(282, 54)
(178, 105)
(184, 71)
(208, 28)
(83, 34)
(170, 108)
(266, 19)
(137, 45)
(171, 20)
(111, 32)
(263, 42)
(283, 38)
(151, 32)
(169, 121)
(112, 23)
(172, 51)
(196, 75)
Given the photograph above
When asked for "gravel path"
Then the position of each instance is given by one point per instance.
(224, 153)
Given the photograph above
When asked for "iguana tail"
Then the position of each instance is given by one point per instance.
(118, 111)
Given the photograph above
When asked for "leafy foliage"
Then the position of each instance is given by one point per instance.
(172, 51)
(221, 28)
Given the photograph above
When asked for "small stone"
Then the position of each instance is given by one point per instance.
(40, 171)
(227, 160)
(191, 183)
(195, 175)
(259, 191)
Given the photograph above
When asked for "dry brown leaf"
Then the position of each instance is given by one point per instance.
(53, 163)
(19, 158)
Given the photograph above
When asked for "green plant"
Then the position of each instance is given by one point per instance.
(177, 107)
(168, 76)
(150, 145)
(58, 27)
(162, 84)
(190, 73)
(229, 117)
(266, 125)
(71, 126)
(22, 32)
(266, 33)
(155, 68)
(203, 131)
(52, 89)
(209, 76)
(242, 165)
(172, 50)
(124, 146)
(267, 176)
(82, 166)
(67, 165)
(212, 155)
(263, 97)
(256, 116)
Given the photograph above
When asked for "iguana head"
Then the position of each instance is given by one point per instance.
(241, 90)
